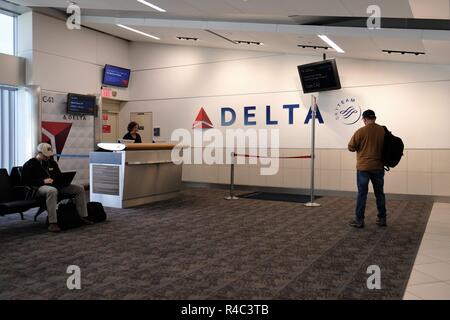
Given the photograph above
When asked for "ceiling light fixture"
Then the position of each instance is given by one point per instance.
(403, 52)
(331, 43)
(249, 42)
(187, 38)
(304, 46)
(137, 31)
(151, 5)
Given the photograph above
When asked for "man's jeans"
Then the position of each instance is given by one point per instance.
(362, 179)
(51, 198)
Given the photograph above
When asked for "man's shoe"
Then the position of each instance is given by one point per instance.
(356, 224)
(53, 227)
(381, 222)
(86, 221)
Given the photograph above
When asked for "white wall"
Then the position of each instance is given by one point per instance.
(401, 93)
(12, 70)
(64, 60)
(413, 100)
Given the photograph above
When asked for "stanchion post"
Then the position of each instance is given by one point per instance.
(232, 196)
(313, 152)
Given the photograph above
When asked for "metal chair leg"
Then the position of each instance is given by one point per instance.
(40, 210)
(21, 216)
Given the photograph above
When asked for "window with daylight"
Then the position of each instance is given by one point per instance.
(8, 98)
(7, 34)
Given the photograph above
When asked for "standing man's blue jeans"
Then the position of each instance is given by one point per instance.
(363, 178)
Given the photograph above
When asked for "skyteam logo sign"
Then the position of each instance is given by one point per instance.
(348, 111)
(229, 116)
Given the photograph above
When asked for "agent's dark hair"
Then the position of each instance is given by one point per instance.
(131, 125)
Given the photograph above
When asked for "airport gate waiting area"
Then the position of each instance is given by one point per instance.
(213, 151)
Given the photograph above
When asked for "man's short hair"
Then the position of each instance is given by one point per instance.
(369, 114)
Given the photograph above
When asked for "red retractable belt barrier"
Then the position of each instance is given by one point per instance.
(252, 156)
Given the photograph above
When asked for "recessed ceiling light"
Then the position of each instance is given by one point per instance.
(331, 43)
(137, 31)
(151, 5)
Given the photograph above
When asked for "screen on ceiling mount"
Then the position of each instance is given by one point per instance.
(78, 104)
(319, 76)
(116, 76)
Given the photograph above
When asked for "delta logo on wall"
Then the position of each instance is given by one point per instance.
(228, 116)
(348, 111)
(202, 121)
(56, 134)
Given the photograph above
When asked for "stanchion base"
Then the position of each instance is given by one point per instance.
(231, 198)
(312, 204)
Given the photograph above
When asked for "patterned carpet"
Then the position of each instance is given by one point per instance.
(199, 246)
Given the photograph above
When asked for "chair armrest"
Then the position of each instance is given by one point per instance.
(23, 193)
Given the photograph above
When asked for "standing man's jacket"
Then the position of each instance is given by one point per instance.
(368, 143)
(34, 173)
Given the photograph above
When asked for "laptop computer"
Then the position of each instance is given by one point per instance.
(64, 179)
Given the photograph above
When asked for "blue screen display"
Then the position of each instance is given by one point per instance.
(116, 76)
(80, 104)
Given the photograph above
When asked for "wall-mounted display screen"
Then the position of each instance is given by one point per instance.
(319, 76)
(80, 104)
(116, 76)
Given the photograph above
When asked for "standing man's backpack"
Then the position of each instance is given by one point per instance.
(392, 150)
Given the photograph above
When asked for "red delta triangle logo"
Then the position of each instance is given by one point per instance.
(56, 134)
(202, 121)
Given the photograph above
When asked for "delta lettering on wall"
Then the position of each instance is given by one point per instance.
(71, 136)
(289, 113)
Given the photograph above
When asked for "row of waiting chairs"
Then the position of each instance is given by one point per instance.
(15, 197)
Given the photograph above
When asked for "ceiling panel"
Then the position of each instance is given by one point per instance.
(251, 9)
(389, 8)
(276, 29)
(430, 9)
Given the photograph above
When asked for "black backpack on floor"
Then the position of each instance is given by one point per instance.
(392, 150)
(67, 215)
(96, 212)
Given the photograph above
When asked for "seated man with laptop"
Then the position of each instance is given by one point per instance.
(43, 173)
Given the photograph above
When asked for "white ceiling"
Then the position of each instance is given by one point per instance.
(245, 9)
(269, 21)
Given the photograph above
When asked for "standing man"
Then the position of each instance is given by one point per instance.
(368, 144)
(42, 172)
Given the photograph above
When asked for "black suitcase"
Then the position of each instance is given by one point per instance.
(67, 215)
(96, 212)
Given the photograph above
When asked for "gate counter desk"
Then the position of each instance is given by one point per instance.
(141, 173)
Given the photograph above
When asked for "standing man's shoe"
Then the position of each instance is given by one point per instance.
(381, 222)
(356, 224)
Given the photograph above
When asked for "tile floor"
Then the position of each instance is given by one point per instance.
(430, 278)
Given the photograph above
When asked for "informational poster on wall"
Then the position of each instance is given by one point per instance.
(71, 136)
